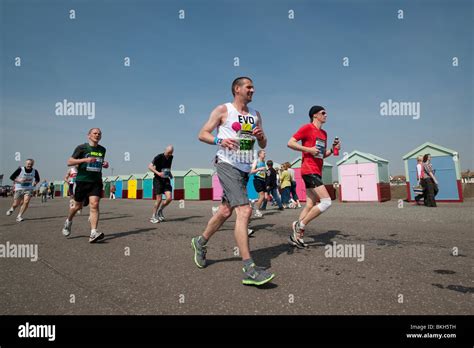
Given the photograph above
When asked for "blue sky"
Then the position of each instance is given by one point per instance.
(190, 62)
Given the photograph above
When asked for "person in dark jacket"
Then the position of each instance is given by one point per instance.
(429, 182)
(272, 185)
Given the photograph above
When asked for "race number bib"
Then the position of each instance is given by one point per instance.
(95, 166)
(166, 172)
(246, 144)
(321, 146)
(28, 179)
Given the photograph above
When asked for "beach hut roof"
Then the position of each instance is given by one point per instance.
(139, 176)
(111, 178)
(398, 177)
(366, 155)
(200, 171)
(179, 173)
(467, 174)
(428, 144)
(124, 177)
(149, 175)
(299, 159)
(58, 182)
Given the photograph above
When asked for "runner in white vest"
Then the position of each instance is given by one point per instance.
(70, 178)
(238, 128)
(24, 179)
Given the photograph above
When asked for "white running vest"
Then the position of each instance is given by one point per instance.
(28, 177)
(72, 175)
(238, 127)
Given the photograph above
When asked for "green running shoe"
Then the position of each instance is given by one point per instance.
(199, 253)
(255, 275)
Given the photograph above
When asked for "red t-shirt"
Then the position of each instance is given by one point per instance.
(311, 136)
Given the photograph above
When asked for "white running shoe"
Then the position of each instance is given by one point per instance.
(258, 213)
(95, 236)
(67, 228)
(296, 237)
(19, 218)
(9, 212)
(154, 220)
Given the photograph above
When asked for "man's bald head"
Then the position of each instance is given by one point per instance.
(169, 150)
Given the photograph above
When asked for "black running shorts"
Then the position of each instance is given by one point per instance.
(160, 186)
(86, 189)
(259, 185)
(312, 180)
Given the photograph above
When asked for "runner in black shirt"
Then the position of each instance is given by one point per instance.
(89, 159)
(161, 166)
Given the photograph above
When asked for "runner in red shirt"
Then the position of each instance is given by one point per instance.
(314, 148)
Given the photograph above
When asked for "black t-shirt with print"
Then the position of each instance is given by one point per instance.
(89, 172)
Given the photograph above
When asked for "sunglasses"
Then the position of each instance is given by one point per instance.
(323, 113)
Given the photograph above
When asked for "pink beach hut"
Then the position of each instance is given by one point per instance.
(363, 177)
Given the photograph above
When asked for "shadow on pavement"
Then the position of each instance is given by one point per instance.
(116, 217)
(261, 226)
(323, 238)
(65, 216)
(117, 235)
(211, 262)
(46, 218)
(185, 218)
(124, 234)
(263, 257)
(266, 212)
(267, 286)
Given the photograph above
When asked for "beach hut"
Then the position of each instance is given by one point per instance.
(135, 186)
(251, 192)
(216, 188)
(108, 183)
(106, 186)
(148, 185)
(121, 186)
(58, 188)
(198, 184)
(447, 170)
(363, 177)
(300, 186)
(65, 189)
(178, 182)
(132, 187)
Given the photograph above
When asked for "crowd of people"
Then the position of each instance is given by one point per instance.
(234, 128)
